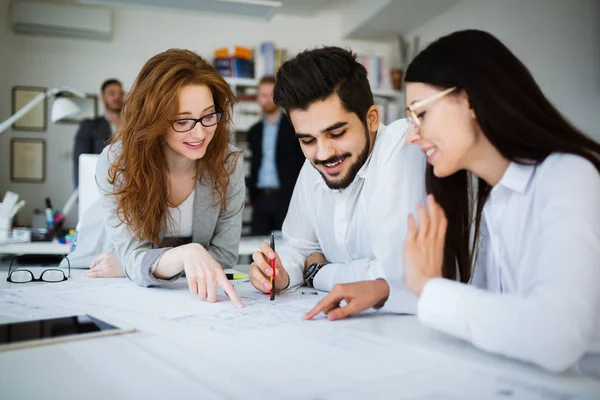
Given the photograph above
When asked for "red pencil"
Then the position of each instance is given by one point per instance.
(272, 262)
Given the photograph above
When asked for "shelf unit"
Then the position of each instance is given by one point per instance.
(389, 94)
(234, 82)
(245, 114)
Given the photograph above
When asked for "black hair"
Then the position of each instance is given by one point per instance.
(317, 74)
(512, 113)
(111, 81)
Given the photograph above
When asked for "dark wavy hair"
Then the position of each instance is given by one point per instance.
(513, 114)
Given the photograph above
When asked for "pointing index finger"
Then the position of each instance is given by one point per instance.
(230, 291)
(325, 303)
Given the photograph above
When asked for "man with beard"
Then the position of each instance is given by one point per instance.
(347, 219)
(276, 163)
(94, 134)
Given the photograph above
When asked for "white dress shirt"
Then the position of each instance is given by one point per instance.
(360, 229)
(537, 273)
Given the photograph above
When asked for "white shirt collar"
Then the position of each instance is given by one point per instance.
(517, 177)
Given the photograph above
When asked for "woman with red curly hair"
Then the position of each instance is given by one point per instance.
(171, 187)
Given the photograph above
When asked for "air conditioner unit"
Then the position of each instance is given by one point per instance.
(60, 19)
(258, 9)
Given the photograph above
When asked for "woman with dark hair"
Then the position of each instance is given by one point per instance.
(171, 187)
(520, 187)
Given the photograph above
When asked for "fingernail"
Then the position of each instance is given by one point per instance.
(240, 306)
(269, 271)
(267, 285)
(271, 254)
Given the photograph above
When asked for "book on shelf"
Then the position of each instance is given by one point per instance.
(246, 93)
(376, 72)
(268, 59)
(241, 52)
(232, 66)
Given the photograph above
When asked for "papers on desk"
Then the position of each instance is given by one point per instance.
(187, 348)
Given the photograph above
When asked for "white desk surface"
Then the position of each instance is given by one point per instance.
(35, 248)
(248, 245)
(159, 361)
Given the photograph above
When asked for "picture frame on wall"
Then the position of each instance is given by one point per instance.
(27, 160)
(35, 119)
(88, 106)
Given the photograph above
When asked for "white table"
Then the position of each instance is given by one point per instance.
(35, 248)
(248, 245)
(147, 364)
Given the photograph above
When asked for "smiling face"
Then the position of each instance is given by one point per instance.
(334, 140)
(447, 129)
(195, 101)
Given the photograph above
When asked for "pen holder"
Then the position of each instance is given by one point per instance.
(5, 227)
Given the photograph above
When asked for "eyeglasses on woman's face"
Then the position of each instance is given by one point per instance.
(187, 124)
(411, 114)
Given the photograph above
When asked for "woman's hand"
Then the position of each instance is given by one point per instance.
(202, 272)
(424, 246)
(105, 266)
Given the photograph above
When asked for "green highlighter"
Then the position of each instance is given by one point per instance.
(235, 277)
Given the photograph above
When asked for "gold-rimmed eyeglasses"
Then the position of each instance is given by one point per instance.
(411, 114)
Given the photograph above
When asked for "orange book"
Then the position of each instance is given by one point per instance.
(222, 52)
(243, 52)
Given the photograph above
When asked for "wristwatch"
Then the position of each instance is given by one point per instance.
(311, 272)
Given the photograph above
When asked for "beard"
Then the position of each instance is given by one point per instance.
(269, 109)
(353, 169)
(116, 108)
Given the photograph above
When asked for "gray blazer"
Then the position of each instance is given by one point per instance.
(217, 229)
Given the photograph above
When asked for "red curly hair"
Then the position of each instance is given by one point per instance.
(139, 173)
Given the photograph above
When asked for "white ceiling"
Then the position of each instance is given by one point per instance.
(372, 19)
(399, 17)
(291, 7)
(304, 7)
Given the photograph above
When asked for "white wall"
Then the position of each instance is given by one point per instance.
(558, 40)
(138, 35)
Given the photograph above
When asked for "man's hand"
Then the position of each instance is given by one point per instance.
(261, 271)
(314, 258)
(359, 296)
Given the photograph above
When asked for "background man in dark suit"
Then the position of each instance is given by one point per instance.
(93, 134)
(276, 163)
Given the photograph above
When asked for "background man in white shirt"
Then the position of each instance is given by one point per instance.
(347, 218)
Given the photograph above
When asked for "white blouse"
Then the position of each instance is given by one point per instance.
(535, 292)
(182, 218)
